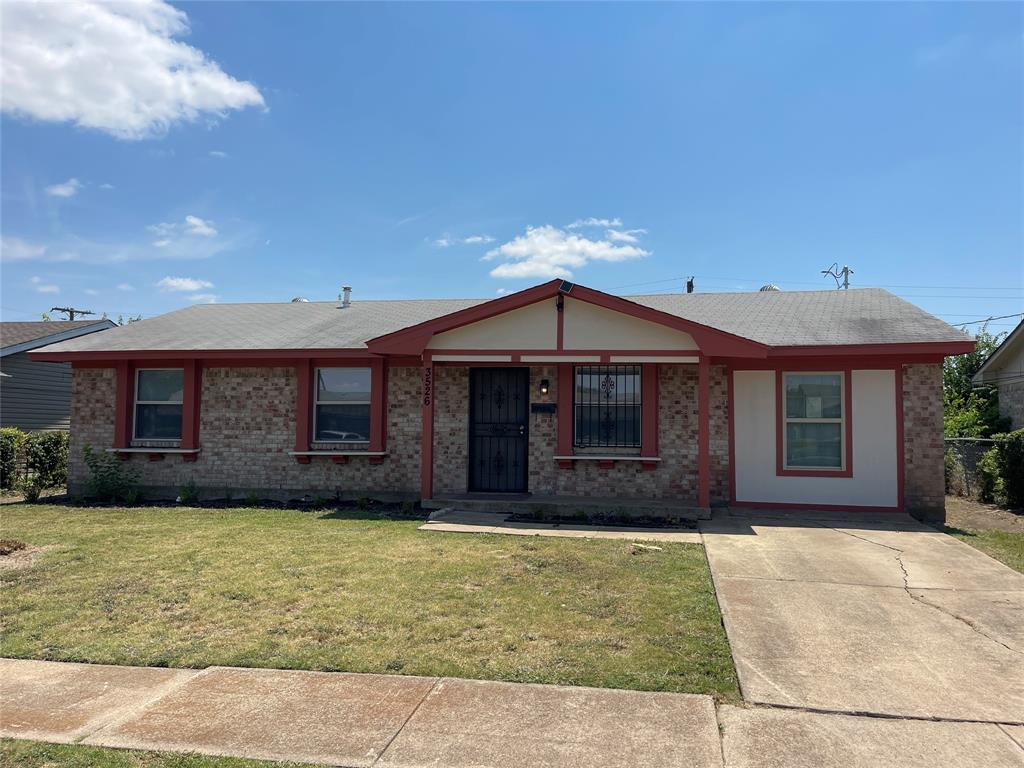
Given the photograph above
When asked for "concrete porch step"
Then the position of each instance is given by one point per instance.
(568, 507)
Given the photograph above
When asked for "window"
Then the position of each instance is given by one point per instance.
(814, 421)
(342, 405)
(607, 406)
(158, 403)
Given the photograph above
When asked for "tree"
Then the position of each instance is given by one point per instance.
(971, 411)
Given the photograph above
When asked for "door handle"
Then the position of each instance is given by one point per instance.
(522, 429)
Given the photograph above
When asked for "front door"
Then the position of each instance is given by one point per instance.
(498, 411)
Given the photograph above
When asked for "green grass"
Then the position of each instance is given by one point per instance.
(186, 587)
(29, 754)
(1005, 546)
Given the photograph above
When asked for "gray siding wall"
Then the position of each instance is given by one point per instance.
(34, 395)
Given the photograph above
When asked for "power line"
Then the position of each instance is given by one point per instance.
(989, 319)
(804, 282)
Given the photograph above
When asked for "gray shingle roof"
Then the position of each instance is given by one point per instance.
(20, 332)
(797, 318)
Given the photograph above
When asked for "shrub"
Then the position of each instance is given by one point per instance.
(1009, 462)
(31, 488)
(12, 441)
(189, 493)
(46, 455)
(111, 479)
(989, 479)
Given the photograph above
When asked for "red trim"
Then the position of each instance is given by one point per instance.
(703, 434)
(338, 459)
(730, 407)
(820, 507)
(648, 410)
(124, 401)
(780, 459)
(901, 455)
(427, 436)
(825, 362)
(568, 354)
(192, 375)
(564, 412)
(155, 456)
(377, 407)
(303, 407)
(374, 460)
(606, 463)
(188, 457)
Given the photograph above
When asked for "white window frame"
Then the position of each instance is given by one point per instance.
(841, 421)
(136, 403)
(317, 403)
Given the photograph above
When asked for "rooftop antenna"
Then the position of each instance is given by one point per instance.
(843, 273)
(689, 284)
(71, 311)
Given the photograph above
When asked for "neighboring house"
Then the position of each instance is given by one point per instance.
(1004, 370)
(818, 399)
(34, 395)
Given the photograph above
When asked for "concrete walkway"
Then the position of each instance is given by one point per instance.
(354, 720)
(883, 616)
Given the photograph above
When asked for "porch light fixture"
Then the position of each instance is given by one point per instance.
(544, 384)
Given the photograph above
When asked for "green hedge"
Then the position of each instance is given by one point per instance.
(41, 457)
(1001, 470)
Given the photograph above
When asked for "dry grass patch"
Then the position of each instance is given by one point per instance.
(278, 588)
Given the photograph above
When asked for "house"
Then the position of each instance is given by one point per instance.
(1004, 370)
(817, 399)
(34, 395)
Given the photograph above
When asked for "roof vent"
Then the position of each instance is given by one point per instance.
(300, 300)
(769, 287)
(346, 296)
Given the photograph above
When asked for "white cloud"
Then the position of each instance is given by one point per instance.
(448, 240)
(113, 67)
(42, 287)
(204, 298)
(68, 188)
(161, 243)
(183, 284)
(91, 292)
(218, 153)
(551, 252)
(625, 236)
(106, 186)
(196, 226)
(125, 287)
(16, 249)
(502, 291)
(592, 222)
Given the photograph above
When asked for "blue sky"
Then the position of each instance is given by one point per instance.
(260, 151)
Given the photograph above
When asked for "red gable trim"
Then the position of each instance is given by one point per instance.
(413, 340)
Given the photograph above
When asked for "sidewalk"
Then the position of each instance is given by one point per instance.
(406, 722)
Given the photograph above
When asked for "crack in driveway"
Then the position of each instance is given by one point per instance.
(920, 598)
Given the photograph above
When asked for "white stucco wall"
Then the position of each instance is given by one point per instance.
(875, 451)
(591, 327)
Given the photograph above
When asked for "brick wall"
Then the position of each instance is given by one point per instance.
(924, 484)
(1011, 403)
(247, 428)
(675, 477)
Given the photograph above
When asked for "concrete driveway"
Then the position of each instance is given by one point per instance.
(879, 616)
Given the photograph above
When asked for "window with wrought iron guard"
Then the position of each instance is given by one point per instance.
(607, 405)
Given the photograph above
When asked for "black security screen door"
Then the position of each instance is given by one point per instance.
(498, 411)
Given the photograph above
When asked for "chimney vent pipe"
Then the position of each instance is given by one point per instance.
(346, 295)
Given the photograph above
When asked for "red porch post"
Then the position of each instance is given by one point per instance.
(303, 407)
(378, 404)
(427, 435)
(564, 414)
(124, 398)
(703, 433)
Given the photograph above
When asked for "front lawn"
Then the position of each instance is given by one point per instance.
(1005, 546)
(186, 587)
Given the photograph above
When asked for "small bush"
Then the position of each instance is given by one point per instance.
(111, 478)
(46, 456)
(409, 508)
(189, 494)
(8, 546)
(363, 503)
(31, 488)
(12, 442)
(989, 479)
